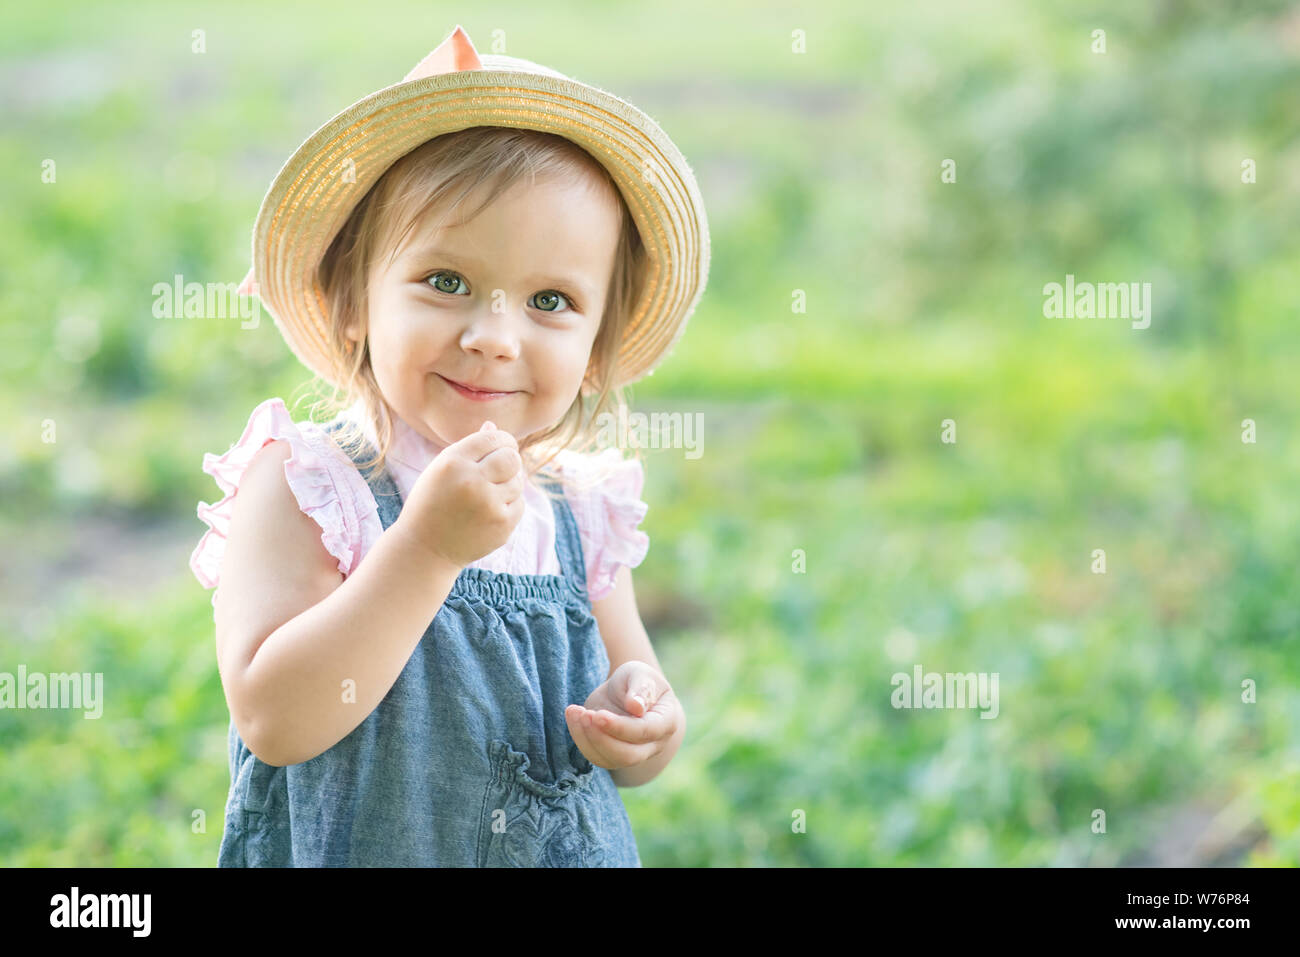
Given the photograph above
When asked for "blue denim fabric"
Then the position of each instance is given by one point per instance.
(467, 761)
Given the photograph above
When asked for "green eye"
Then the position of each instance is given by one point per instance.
(440, 281)
(548, 301)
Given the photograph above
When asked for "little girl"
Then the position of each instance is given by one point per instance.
(426, 629)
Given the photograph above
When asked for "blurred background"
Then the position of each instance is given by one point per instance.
(822, 171)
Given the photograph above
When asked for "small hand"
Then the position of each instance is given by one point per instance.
(628, 719)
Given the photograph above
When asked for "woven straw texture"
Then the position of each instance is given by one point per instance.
(331, 172)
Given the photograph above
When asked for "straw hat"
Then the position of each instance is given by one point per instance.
(451, 89)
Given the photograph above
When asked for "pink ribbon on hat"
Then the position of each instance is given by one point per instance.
(452, 55)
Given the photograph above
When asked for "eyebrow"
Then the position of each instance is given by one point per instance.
(426, 253)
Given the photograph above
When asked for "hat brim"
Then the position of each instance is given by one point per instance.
(318, 188)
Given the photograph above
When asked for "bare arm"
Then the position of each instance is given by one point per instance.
(291, 630)
(626, 639)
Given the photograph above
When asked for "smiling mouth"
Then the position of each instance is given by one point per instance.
(471, 392)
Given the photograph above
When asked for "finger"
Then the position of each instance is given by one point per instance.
(572, 715)
(655, 725)
(616, 752)
(583, 733)
(642, 691)
(513, 490)
(501, 465)
(515, 510)
(640, 698)
(628, 754)
(480, 444)
(600, 743)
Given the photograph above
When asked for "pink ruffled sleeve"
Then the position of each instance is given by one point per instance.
(608, 515)
(326, 484)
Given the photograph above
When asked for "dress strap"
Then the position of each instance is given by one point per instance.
(387, 497)
(568, 544)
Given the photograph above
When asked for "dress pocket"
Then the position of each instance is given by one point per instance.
(530, 823)
(265, 843)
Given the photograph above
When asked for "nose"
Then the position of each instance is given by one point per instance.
(492, 335)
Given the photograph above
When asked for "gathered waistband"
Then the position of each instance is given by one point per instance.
(503, 586)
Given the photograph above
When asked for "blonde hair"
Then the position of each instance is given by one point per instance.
(442, 173)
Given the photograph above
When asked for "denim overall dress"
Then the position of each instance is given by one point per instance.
(468, 760)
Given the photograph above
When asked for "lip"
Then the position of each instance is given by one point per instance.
(474, 395)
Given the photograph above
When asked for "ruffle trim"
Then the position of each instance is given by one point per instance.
(608, 513)
(325, 483)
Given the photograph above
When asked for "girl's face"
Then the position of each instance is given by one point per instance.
(510, 301)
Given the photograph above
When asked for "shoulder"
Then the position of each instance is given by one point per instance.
(605, 474)
(308, 469)
(604, 491)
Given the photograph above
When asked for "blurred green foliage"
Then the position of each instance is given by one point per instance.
(821, 170)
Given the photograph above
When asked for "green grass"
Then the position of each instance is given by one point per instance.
(1119, 691)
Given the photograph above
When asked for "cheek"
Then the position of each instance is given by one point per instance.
(555, 365)
(391, 332)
